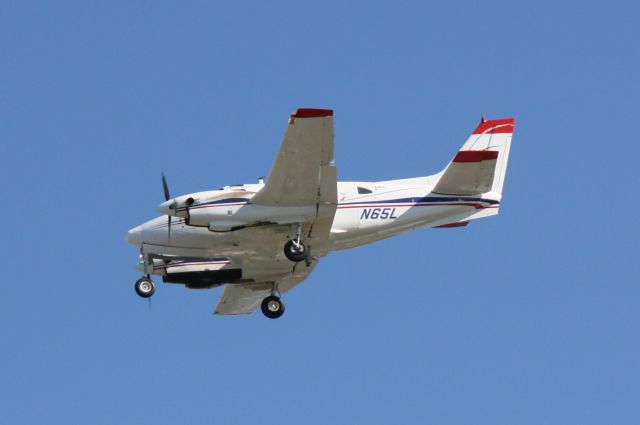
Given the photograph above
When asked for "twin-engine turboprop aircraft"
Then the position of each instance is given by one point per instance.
(260, 240)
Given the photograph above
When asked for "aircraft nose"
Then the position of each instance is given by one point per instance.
(134, 236)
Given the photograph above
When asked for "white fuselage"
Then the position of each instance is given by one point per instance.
(366, 212)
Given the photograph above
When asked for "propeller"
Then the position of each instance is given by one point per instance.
(165, 186)
(167, 196)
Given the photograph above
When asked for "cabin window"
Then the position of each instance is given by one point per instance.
(364, 190)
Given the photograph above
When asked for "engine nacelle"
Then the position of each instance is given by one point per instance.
(231, 215)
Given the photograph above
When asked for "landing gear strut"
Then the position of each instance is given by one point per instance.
(295, 250)
(272, 307)
(145, 287)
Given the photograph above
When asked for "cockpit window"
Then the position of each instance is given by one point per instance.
(364, 190)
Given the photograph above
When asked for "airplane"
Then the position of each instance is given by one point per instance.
(261, 240)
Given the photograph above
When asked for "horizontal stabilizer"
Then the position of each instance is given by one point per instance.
(480, 165)
(470, 173)
(450, 225)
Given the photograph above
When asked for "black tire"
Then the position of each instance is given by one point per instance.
(272, 307)
(293, 253)
(145, 287)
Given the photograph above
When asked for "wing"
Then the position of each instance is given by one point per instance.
(303, 173)
(245, 298)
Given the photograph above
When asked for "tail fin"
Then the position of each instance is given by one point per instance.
(481, 164)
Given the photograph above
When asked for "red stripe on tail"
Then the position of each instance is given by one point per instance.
(312, 113)
(475, 156)
(496, 126)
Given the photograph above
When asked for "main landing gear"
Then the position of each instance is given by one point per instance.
(272, 307)
(295, 250)
(145, 287)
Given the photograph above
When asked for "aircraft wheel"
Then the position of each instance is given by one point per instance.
(145, 287)
(272, 307)
(295, 253)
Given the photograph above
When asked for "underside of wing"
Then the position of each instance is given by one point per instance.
(246, 298)
(304, 172)
(242, 298)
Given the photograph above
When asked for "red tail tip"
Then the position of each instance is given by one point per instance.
(504, 125)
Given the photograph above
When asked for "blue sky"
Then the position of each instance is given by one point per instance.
(531, 317)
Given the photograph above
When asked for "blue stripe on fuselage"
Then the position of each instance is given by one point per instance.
(224, 201)
(415, 200)
(217, 202)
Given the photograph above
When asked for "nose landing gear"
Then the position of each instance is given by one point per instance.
(144, 286)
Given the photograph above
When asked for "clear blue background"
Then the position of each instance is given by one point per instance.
(528, 318)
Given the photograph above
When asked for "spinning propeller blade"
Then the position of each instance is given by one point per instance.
(165, 186)
(167, 196)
